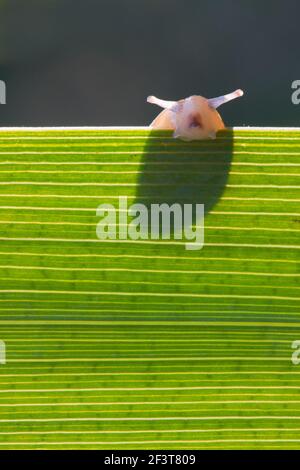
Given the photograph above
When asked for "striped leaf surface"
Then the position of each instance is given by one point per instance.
(144, 344)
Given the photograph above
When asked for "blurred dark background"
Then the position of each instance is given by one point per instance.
(93, 62)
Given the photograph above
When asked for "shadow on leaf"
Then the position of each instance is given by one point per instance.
(177, 172)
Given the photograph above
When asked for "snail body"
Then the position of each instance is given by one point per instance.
(193, 118)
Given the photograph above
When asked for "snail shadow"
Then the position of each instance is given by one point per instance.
(174, 171)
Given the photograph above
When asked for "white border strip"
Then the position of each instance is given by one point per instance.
(135, 128)
(79, 128)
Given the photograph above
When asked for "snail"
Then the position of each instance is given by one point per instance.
(193, 118)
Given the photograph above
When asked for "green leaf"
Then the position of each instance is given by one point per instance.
(123, 344)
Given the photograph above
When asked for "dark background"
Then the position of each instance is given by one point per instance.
(93, 62)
